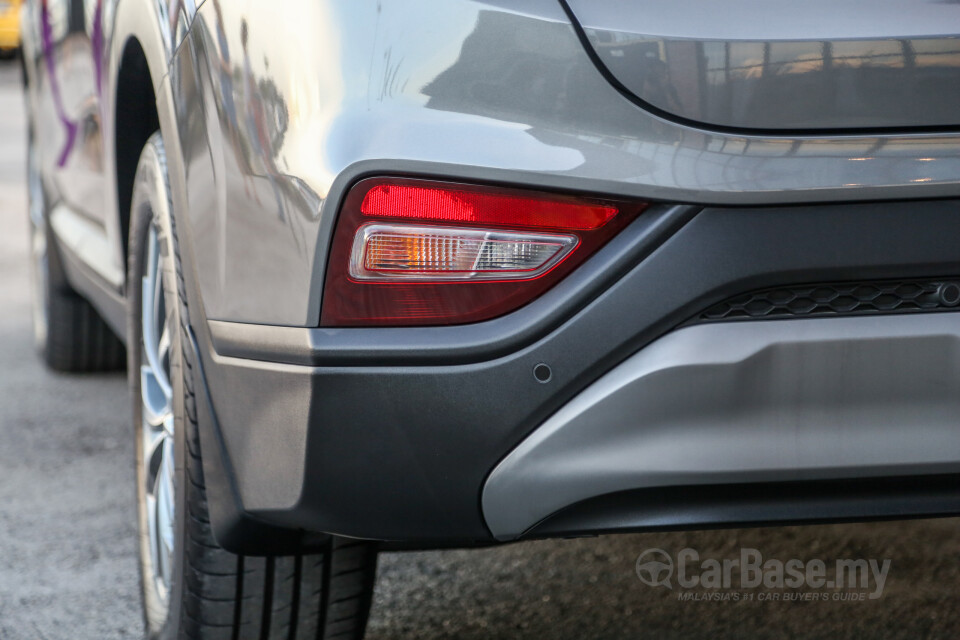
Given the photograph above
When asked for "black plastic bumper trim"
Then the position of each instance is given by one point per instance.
(401, 451)
(777, 503)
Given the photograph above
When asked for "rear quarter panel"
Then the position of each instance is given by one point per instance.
(282, 107)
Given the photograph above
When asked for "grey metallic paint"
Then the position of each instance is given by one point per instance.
(356, 88)
(88, 38)
(360, 88)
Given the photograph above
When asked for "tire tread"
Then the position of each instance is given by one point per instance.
(78, 339)
(231, 597)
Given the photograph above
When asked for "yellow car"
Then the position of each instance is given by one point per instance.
(9, 25)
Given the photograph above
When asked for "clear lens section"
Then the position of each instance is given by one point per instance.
(409, 252)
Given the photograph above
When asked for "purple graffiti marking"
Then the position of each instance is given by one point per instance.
(69, 125)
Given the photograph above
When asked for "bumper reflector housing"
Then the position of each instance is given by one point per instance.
(412, 252)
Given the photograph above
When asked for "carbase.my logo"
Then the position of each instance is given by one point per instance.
(656, 568)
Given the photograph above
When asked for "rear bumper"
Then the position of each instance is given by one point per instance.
(393, 434)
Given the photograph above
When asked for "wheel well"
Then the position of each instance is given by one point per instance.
(136, 120)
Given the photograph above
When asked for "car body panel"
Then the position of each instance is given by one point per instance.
(752, 65)
(511, 98)
(74, 53)
(66, 73)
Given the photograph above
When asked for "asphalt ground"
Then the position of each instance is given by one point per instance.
(67, 529)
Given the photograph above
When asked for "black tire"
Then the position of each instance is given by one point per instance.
(214, 593)
(68, 332)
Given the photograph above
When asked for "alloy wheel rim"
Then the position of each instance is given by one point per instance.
(157, 420)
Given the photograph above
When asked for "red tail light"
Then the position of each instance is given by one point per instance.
(456, 203)
(415, 252)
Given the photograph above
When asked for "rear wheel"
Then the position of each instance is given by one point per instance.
(192, 588)
(69, 333)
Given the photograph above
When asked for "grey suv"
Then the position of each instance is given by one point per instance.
(397, 274)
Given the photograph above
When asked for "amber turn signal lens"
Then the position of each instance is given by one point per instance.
(391, 252)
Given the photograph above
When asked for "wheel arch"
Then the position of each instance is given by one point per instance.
(140, 49)
(135, 120)
(142, 89)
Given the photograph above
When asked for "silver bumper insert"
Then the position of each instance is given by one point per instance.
(830, 398)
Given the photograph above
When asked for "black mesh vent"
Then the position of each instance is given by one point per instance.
(853, 298)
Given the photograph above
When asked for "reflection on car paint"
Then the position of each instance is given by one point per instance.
(264, 118)
(260, 96)
(790, 84)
